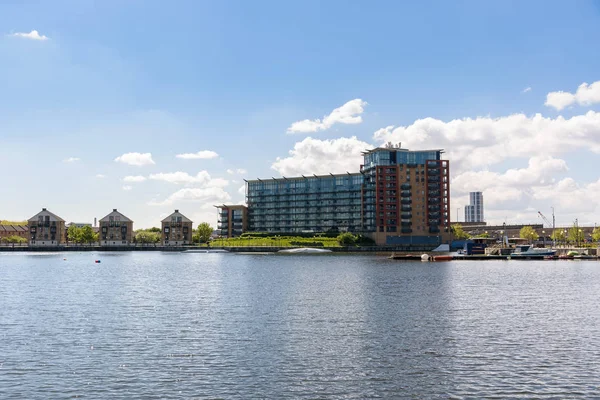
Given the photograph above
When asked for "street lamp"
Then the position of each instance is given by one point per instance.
(544, 238)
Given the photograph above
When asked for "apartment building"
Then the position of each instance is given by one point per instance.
(398, 197)
(176, 230)
(115, 229)
(474, 210)
(406, 195)
(46, 229)
(233, 220)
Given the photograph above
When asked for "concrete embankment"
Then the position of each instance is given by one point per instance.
(240, 249)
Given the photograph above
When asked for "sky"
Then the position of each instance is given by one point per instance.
(150, 106)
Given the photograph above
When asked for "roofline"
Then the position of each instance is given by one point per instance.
(400, 149)
(302, 177)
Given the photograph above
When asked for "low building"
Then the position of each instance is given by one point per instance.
(233, 220)
(116, 230)
(13, 230)
(46, 229)
(176, 230)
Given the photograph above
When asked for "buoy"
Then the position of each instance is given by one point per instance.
(64, 259)
(424, 257)
(97, 261)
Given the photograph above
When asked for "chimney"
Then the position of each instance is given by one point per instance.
(114, 209)
(43, 209)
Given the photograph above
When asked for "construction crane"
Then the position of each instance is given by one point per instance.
(545, 219)
(550, 224)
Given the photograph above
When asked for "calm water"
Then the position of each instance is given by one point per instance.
(149, 325)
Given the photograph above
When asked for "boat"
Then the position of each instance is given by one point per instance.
(304, 250)
(443, 258)
(530, 252)
(206, 251)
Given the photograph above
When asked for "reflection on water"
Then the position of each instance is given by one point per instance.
(178, 325)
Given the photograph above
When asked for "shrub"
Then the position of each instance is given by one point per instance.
(346, 239)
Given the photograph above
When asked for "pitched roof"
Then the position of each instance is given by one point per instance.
(13, 228)
(177, 214)
(115, 213)
(44, 212)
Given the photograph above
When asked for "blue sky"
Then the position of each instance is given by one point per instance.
(169, 78)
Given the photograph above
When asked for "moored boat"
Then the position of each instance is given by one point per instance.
(530, 252)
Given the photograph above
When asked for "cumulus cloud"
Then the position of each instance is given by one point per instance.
(33, 35)
(475, 143)
(134, 179)
(137, 159)
(203, 154)
(211, 194)
(314, 156)
(201, 178)
(72, 159)
(349, 113)
(585, 95)
(100, 176)
(126, 187)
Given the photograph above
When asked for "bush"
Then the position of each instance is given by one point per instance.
(346, 239)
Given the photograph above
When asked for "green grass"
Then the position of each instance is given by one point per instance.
(281, 241)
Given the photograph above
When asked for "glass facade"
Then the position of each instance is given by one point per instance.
(397, 193)
(306, 204)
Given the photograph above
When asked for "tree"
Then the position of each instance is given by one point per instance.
(346, 239)
(74, 234)
(14, 239)
(596, 235)
(558, 236)
(153, 229)
(575, 235)
(459, 232)
(87, 235)
(528, 233)
(203, 232)
(145, 237)
(14, 223)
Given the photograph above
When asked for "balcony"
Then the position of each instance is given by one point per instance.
(405, 186)
(406, 230)
(406, 201)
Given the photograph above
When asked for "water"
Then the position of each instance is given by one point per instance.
(151, 325)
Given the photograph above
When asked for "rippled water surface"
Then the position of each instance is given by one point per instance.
(151, 325)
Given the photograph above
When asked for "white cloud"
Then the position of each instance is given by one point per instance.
(240, 171)
(349, 113)
(72, 159)
(526, 90)
(201, 178)
(134, 179)
(211, 194)
(481, 142)
(314, 156)
(127, 187)
(203, 154)
(586, 95)
(33, 35)
(100, 176)
(474, 145)
(137, 159)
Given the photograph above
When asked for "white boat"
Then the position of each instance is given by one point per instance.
(527, 251)
(206, 251)
(304, 250)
